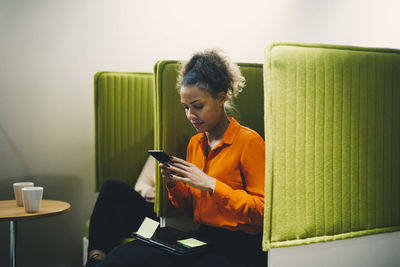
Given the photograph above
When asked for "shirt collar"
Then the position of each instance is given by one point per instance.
(229, 135)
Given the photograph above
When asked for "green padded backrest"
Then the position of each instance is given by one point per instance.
(332, 143)
(124, 125)
(173, 130)
(250, 102)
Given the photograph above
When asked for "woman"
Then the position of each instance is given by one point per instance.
(221, 184)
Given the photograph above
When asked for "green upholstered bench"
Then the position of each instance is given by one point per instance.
(333, 143)
(124, 107)
(124, 127)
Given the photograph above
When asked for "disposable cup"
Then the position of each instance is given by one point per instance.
(18, 193)
(32, 198)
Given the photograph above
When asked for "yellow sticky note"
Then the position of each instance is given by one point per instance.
(148, 228)
(191, 243)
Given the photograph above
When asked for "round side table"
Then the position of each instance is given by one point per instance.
(9, 211)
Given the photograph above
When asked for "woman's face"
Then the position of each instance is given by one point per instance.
(202, 110)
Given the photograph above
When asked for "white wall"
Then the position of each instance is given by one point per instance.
(50, 50)
(368, 251)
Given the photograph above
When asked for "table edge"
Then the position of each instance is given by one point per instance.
(38, 215)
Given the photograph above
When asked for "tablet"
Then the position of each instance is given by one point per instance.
(173, 240)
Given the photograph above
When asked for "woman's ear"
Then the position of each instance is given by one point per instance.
(221, 97)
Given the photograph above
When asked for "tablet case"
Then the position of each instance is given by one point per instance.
(166, 238)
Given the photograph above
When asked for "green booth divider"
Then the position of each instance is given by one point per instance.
(124, 125)
(332, 142)
(173, 130)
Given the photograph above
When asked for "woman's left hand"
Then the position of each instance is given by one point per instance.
(190, 174)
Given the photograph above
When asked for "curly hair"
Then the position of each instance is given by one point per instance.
(212, 71)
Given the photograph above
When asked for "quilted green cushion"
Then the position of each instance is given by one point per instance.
(249, 103)
(173, 130)
(332, 138)
(124, 125)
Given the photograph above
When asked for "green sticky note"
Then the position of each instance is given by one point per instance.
(191, 243)
(148, 228)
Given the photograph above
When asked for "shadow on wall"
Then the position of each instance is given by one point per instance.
(47, 241)
(15, 151)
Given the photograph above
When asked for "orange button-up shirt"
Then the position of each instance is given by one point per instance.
(238, 165)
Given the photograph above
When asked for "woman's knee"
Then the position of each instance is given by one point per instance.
(114, 186)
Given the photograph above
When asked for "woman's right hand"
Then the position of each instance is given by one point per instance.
(165, 172)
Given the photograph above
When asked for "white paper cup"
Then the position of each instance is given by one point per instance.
(32, 197)
(18, 193)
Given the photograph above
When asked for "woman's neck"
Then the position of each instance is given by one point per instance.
(215, 136)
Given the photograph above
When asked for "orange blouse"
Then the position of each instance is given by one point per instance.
(238, 165)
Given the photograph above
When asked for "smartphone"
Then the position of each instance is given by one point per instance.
(160, 155)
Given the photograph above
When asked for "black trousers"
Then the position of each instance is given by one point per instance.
(225, 248)
(119, 210)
